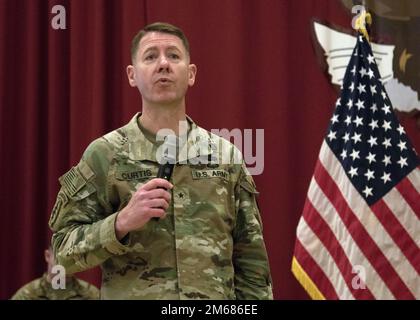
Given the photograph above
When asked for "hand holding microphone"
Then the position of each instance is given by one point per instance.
(167, 160)
(152, 199)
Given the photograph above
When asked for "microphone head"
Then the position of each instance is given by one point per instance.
(169, 146)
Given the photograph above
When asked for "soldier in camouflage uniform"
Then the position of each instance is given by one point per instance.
(198, 236)
(42, 289)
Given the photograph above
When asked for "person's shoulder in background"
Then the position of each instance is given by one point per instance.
(30, 291)
(87, 290)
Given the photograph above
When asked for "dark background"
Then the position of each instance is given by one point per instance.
(60, 89)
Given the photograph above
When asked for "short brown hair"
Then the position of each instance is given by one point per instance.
(161, 27)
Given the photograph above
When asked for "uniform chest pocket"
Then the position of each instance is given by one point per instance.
(212, 184)
(211, 197)
(128, 179)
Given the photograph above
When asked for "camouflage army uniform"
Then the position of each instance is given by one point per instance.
(41, 289)
(209, 246)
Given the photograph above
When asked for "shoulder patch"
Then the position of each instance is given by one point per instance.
(76, 178)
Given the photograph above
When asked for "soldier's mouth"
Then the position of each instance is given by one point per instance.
(163, 80)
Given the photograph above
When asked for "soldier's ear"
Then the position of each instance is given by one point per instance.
(192, 71)
(47, 255)
(131, 75)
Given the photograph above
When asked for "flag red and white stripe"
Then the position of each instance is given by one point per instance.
(346, 249)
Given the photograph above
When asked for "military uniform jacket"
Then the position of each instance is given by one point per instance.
(209, 245)
(41, 289)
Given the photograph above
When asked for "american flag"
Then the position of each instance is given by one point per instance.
(359, 234)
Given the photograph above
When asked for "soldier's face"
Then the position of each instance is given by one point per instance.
(162, 71)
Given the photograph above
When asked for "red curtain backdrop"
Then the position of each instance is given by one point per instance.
(60, 89)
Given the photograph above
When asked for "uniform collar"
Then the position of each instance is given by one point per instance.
(199, 143)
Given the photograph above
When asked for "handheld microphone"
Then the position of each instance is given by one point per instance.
(167, 160)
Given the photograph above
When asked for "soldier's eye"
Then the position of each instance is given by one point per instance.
(149, 57)
(174, 56)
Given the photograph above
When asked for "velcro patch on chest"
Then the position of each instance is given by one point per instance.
(208, 174)
(135, 175)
